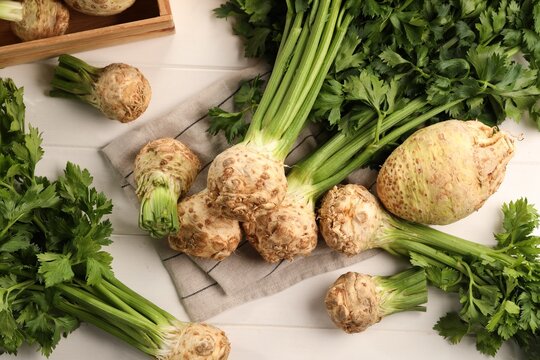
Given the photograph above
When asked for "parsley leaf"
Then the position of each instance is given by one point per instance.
(452, 328)
(234, 124)
(55, 268)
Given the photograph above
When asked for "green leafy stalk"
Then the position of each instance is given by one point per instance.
(287, 48)
(405, 291)
(327, 166)
(327, 179)
(74, 78)
(301, 65)
(305, 108)
(113, 310)
(83, 314)
(235, 124)
(158, 213)
(11, 10)
(318, 42)
(499, 287)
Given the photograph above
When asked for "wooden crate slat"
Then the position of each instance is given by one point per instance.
(93, 38)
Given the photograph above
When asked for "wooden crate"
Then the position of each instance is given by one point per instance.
(145, 19)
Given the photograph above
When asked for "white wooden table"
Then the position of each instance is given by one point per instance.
(292, 324)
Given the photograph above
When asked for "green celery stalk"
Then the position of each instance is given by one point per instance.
(11, 10)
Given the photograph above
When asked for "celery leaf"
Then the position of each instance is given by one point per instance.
(452, 328)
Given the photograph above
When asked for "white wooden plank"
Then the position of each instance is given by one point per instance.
(68, 122)
(201, 41)
(270, 343)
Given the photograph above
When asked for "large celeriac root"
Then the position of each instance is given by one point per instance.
(444, 172)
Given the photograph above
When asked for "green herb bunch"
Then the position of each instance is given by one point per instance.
(37, 217)
(442, 51)
(499, 288)
(53, 270)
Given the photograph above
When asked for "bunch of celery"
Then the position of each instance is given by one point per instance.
(404, 65)
(53, 270)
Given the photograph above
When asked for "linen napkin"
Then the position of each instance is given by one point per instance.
(208, 287)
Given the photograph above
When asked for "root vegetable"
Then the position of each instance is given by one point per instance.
(444, 172)
(239, 179)
(164, 171)
(198, 342)
(276, 239)
(203, 231)
(119, 91)
(356, 301)
(342, 154)
(285, 233)
(35, 19)
(100, 7)
(243, 181)
(349, 218)
(496, 285)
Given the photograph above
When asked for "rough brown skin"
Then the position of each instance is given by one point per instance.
(350, 218)
(246, 182)
(353, 302)
(287, 232)
(41, 19)
(203, 231)
(166, 156)
(122, 92)
(444, 172)
(100, 7)
(197, 341)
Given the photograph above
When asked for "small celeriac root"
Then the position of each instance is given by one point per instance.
(41, 19)
(164, 171)
(350, 219)
(194, 341)
(122, 92)
(353, 302)
(100, 7)
(245, 182)
(289, 231)
(356, 301)
(203, 231)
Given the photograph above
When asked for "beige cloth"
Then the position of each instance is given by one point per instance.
(207, 287)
